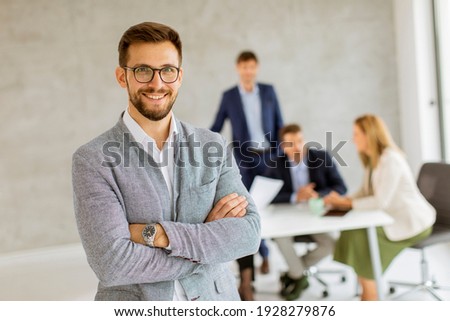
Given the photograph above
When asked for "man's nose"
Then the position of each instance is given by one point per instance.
(156, 82)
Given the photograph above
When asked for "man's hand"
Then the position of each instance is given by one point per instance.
(161, 239)
(307, 192)
(231, 205)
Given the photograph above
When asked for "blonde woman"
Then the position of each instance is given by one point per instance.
(390, 186)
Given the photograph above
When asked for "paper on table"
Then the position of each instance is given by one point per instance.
(264, 190)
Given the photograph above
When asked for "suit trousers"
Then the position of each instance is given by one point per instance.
(298, 265)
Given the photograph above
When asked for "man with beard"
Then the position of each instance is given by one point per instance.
(155, 222)
(307, 173)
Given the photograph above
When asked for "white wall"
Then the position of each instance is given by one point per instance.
(443, 21)
(330, 61)
(417, 81)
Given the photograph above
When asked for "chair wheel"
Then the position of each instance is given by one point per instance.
(391, 290)
(325, 294)
(343, 279)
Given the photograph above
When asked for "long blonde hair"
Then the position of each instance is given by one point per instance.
(378, 138)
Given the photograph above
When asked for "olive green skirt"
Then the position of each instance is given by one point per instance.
(352, 249)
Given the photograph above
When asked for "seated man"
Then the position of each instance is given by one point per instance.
(307, 173)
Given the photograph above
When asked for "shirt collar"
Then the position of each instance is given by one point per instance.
(140, 135)
(299, 166)
(242, 91)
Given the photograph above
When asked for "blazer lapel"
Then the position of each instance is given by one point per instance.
(265, 113)
(121, 131)
(312, 170)
(287, 174)
(240, 115)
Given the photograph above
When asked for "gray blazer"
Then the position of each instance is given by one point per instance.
(116, 183)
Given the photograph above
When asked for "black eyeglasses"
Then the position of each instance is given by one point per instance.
(144, 74)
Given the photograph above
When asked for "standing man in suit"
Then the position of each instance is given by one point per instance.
(255, 117)
(307, 173)
(155, 222)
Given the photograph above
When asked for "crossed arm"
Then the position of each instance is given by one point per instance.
(229, 206)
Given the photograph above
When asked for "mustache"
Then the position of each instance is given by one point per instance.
(153, 91)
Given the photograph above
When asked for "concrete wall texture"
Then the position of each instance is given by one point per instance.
(329, 61)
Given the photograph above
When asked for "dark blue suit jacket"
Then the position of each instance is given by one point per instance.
(231, 107)
(322, 171)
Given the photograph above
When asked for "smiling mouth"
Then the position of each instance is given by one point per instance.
(154, 96)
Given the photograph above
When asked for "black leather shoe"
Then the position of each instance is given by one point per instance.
(286, 284)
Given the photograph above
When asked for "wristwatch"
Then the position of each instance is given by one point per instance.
(149, 234)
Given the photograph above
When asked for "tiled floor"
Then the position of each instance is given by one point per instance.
(62, 273)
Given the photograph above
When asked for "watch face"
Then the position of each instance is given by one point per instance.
(149, 231)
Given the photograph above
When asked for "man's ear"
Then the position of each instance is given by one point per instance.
(121, 77)
(180, 75)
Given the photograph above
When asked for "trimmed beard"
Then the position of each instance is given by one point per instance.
(153, 115)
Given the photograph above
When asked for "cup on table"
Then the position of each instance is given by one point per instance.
(316, 206)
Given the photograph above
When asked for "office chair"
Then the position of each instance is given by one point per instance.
(314, 271)
(434, 184)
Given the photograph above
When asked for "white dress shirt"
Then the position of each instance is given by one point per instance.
(251, 102)
(299, 176)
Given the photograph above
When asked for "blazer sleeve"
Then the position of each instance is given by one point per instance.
(221, 116)
(103, 228)
(222, 240)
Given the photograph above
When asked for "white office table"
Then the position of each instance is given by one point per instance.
(289, 220)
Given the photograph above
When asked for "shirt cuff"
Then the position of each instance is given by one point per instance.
(168, 249)
(293, 198)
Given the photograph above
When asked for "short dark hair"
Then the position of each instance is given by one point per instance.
(147, 32)
(289, 129)
(246, 56)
